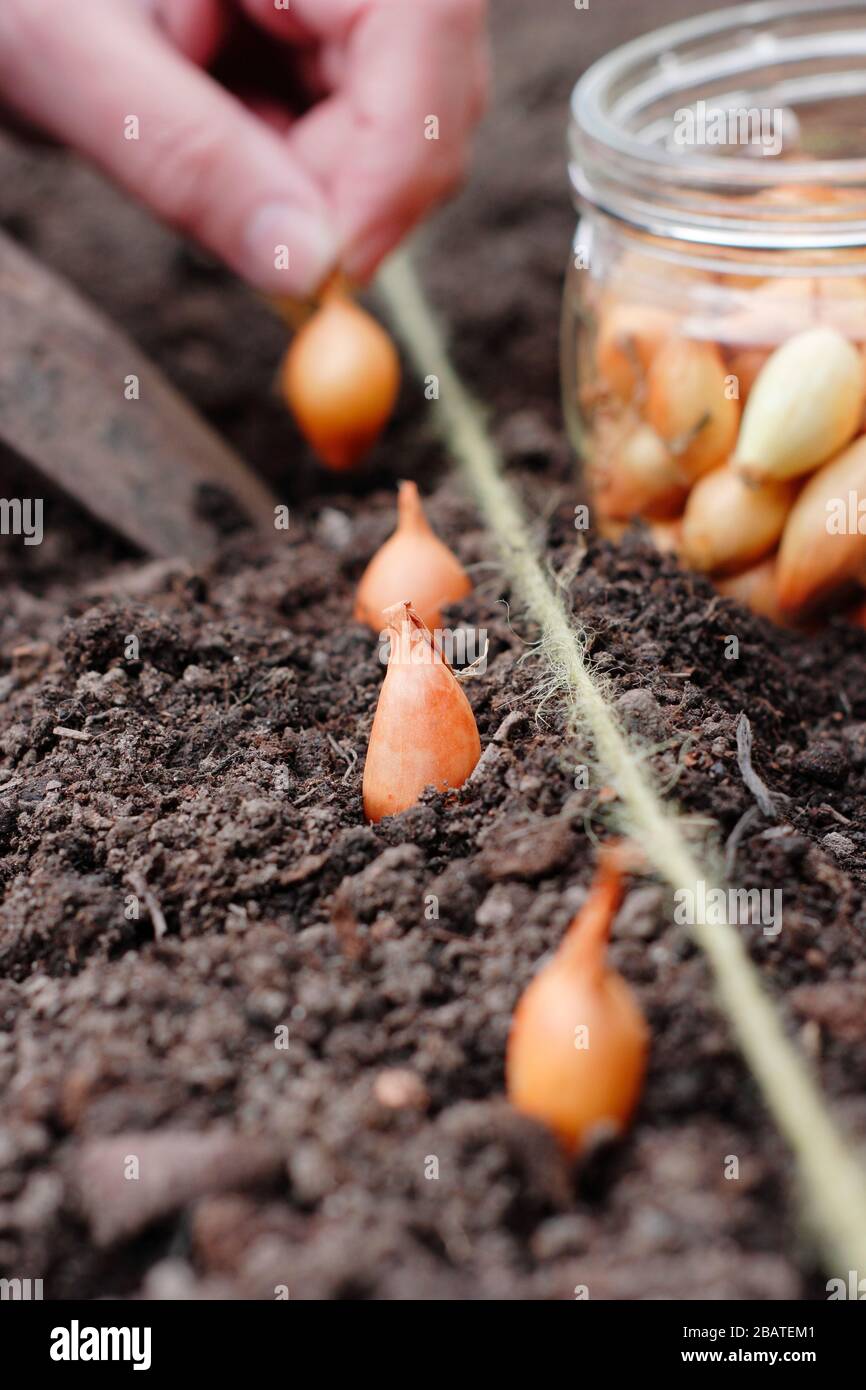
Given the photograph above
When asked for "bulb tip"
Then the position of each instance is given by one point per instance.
(410, 510)
(397, 615)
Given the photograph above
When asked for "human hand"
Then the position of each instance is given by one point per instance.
(124, 82)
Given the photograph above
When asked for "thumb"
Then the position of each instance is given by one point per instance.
(106, 82)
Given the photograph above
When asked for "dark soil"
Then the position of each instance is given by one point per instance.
(218, 795)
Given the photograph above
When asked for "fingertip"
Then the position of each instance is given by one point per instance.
(376, 211)
(195, 27)
(288, 249)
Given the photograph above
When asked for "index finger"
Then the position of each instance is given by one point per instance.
(392, 140)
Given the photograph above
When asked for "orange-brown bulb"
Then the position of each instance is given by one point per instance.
(413, 563)
(340, 377)
(578, 1042)
(688, 405)
(424, 733)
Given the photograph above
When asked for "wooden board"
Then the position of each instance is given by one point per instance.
(136, 464)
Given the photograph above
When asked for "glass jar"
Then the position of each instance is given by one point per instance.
(714, 377)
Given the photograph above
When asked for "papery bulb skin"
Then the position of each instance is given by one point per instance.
(756, 588)
(805, 405)
(629, 336)
(424, 732)
(729, 524)
(689, 405)
(413, 563)
(636, 475)
(667, 536)
(822, 550)
(340, 378)
(578, 1043)
(746, 365)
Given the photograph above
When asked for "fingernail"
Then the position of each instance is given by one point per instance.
(289, 249)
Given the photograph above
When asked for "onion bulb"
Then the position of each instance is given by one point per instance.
(412, 563)
(667, 536)
(578, 1042)
(857, 615)
(637, 476)
(340, 377)
(804, 407)
(424, 733)
(728, 525)
(822, 548)
(628, 337)
(756, 588)
(781, 308)
(746, 365)
(689, 406)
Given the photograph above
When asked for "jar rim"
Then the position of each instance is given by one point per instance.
(637, 174)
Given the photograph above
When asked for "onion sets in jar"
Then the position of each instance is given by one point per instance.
(578, 1042)
(744, 451)
(637, 472)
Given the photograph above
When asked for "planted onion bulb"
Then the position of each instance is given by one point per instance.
(413, 562)
(578, 1042)
(424, 733)
(340, 377)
